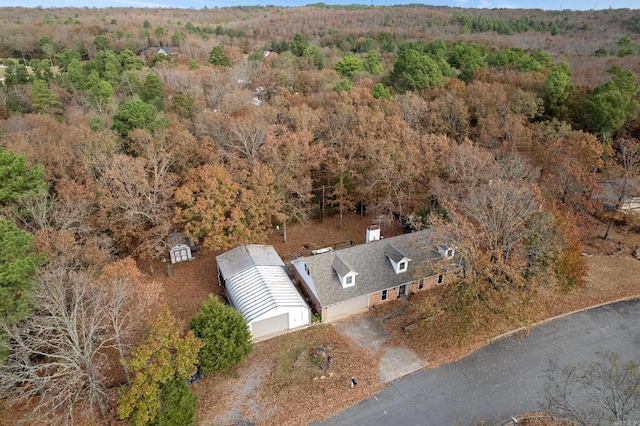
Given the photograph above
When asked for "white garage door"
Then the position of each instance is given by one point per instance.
(270, 325)
(347, 308)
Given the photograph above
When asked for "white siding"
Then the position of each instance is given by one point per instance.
(269, 326)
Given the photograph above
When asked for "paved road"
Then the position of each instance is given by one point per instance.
(503, 378)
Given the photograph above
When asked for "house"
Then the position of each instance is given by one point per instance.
(156, 50)
(346, 281)
(256, 284)
(622, 194)
(180, 247)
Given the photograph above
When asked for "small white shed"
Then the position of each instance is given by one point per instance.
(257, 285)
(180, 247)
(180, 253)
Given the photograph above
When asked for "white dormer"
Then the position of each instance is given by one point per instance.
(446, 252)
(402, 266)
(399, 261)
(345, 272)
(348, 280)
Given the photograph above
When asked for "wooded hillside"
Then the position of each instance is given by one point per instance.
(121, 126)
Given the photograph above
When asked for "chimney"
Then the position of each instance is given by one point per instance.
(373, 233)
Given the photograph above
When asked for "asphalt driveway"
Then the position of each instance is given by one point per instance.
(503, 378)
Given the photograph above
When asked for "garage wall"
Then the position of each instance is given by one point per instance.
(346, 308)
(268, 326)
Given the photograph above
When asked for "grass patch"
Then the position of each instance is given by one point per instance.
(303, 361)
(299, 372)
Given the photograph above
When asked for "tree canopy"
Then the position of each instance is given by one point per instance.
(18, 264)
(614, 103)
(415, 70)
(135, 114)
(225, 333)
(218, 58)
(220, 212)
(239, 128)
(164, 356)
(18, 179)
(348, 66)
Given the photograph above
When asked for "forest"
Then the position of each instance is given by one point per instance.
(119, 127)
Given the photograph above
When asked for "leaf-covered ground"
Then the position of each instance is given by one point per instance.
(281, 382)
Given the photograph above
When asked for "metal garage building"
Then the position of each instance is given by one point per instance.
(257, 285)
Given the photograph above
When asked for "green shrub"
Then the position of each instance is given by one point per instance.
(343, 85)
(225, 334)
(178, 405)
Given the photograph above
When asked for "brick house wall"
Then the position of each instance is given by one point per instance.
(412, 287)
(374, 298)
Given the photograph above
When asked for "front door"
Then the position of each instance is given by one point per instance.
(402, 290)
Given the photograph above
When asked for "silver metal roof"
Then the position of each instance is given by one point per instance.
(256, 281)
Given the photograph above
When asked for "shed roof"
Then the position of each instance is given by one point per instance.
(375, 272)
(245, 256)
(256, 280)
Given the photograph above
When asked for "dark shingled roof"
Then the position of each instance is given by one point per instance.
(394, 254)
(341, 266)
(370, 261)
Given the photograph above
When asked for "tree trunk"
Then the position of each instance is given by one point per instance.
(102, 405)
(122, 357)
(284, 230)
(606, 234)
(168, 268)
(96, 391)
(151, 270)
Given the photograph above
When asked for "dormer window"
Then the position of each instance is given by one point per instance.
(399, 261)
(345, 272)
(348, 280)
(446, 252)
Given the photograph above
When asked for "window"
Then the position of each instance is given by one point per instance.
(449, 253)
(384, 295)
(421, 285)
(440, 279)
(348, 280)
(402, 266)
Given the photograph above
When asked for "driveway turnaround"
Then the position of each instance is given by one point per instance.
(502, 379)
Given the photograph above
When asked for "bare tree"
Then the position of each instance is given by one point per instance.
(603, 392)
(247, 135)
(469, 165)
(497, 197)
(628, 158)
(57, 357)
